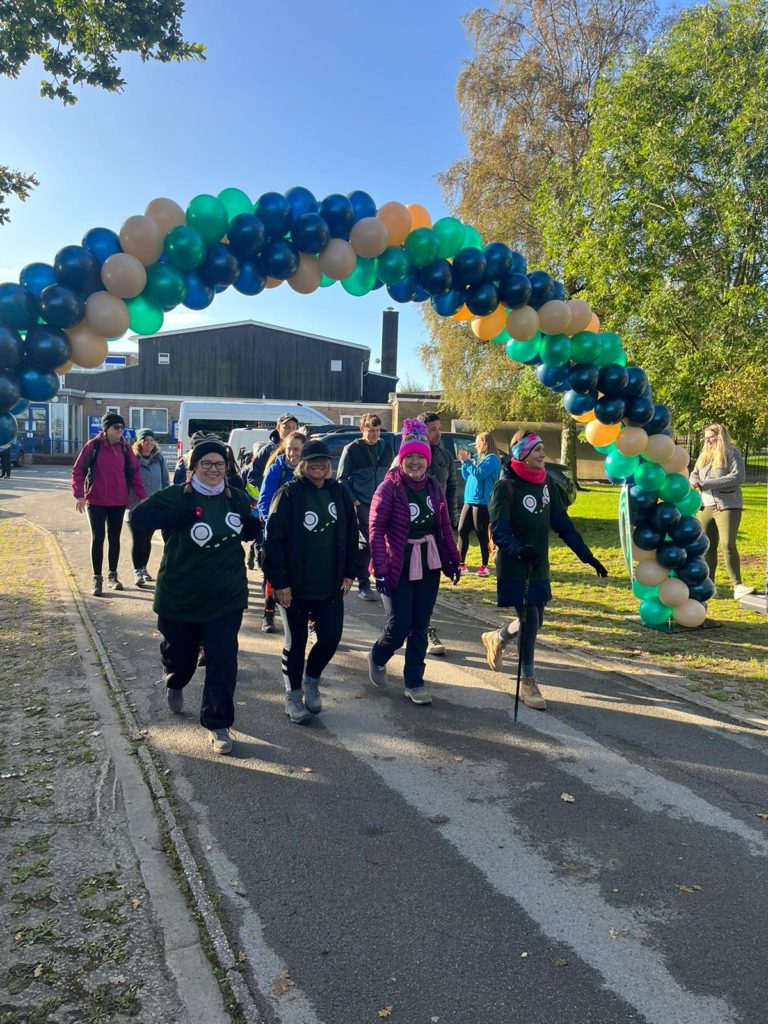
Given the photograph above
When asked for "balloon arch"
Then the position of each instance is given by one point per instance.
(62, 314)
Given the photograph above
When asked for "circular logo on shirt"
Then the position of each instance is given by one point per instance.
(529, 503)
(201, 533)
(413, 508)
(430, 506)
(310, 520)
(332, 511)
(233, 521)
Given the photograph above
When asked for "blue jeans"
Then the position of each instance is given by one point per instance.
(526, 640)
(409, 609)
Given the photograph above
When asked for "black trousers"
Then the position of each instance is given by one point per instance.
(363, 515)
(5, 462)
(328, 617)
(109, 519)
(474, 518)
(179, 650)
(142, 546)
(409, 609)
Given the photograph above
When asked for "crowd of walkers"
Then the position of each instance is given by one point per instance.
(387, 520)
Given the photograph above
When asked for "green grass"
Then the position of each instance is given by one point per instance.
(728, 663)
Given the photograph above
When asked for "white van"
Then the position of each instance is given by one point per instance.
(242, 440)
(223, 417)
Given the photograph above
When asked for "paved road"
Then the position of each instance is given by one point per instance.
(424, 859)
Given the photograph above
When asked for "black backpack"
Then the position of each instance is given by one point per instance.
(130, 470)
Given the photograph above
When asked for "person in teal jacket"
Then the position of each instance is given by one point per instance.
(480, 475)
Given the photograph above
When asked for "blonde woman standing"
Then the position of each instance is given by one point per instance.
(480, 476)
(718, 474)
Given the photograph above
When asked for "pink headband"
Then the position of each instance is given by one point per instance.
(523, 448)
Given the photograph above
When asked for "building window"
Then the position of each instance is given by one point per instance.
(164, 358)
(335, 366)
(153, 419)
(112, 408)
(349, 421)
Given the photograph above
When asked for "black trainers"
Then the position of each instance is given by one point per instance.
(268, 625)
(365, 593)
(434, 644)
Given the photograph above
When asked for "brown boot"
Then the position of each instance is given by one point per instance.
(494, 649)
(531, 694)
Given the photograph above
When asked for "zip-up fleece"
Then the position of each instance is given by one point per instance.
(110, 486)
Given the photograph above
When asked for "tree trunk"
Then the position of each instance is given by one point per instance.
(568, 440)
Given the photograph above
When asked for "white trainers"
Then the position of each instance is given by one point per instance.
(434, 644)
(740, 590)
(221, 740)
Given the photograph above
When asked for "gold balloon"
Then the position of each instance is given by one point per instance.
(419, 216)
(632, 441)
(462, 315)
(369, 237)
(522, 323)
(650, 573)
(673, 592)
(594, 324)
(273, 282)
(143, 238)
(397, 220)
(581, 314)
(88, 349)
(338, 259)
(660, 449)
(555, 317)
(679, 460)
(166, 214)
(584, 417)
(107, 315)
(638, 555)
(307, 277)
(123, 275)
(487, 327)
(64, 368)
(690, 614)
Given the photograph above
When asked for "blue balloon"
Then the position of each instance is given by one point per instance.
(559, 291)
(577, 403)
(703, 591)
(9, 428)
(338, 213)
(18, 308)
(519, 263)
(11, 348)
(660, 421)
(693, 571)
(687, 531)
(20, 408)
(671, 555)
(36, 276)
(363, 205)
(583, 378)
(698, 547)
(101, 243)
(247, 236)
(275, 213)
(482, 298)
(435, 278)
(47, 347)
(37, 385)
(468, 266)
(646, 538)
(639, 411)
(9, 391)
(450, 303)
(78, 269)
(514, 290)
(666, 518)
(61, 307)
(310, 233)
(379, 284)
(251, 280)
(641, 502)
(220, 266)
(199, 294)
(404, 291)
(301, 201)
(637, 381)
(420, 295)
(498, 261)
(610, 410)
(542, 288)
(553, 377)
(279, 259)
(612, 379)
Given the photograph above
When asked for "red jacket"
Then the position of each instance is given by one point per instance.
(114, 465)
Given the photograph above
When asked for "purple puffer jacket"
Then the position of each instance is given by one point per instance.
(390, 524)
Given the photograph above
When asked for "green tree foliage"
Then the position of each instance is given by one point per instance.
(670, 209)
(78, 43)
(525, 99)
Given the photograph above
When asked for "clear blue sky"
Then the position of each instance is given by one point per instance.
(332, 96)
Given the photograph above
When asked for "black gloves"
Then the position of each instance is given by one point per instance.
(598, 566)
(528, 556)
(382, 585)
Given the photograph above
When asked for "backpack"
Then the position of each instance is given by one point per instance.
(130, 470)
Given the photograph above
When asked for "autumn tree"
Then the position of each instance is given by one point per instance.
(79, 44)
(670, 209)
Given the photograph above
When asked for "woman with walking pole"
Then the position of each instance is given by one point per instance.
(524, 506)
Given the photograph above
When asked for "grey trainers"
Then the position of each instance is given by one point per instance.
(294, 708)
(113, 582)
(175, 700)
(221, 740)
(418, 694)
(531, 694)
(377, 673)
(98, 586)
(139, 578)
(311, 690)
(434, 644)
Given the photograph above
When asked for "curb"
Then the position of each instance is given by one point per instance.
(208, 920)
(638, 671)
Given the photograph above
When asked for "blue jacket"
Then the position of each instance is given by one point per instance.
(480, 479)
(279, 473)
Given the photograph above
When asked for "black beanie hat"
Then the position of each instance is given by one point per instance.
(110, 419)
(209, 447)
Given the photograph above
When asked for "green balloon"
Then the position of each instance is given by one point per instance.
(393, 265)
(422, 246)
(522, 351)
(209, 216)
(585, 346)
(621, 466)
(675, 488)
(643, 592)
(326, 282)
(185, 247)
(450, 231)
(653, 612)
(502, 338)
(690, 504)
(649, 477)
(362, 279)
(146, 317)
(235, 202)
(555, 349)
(165, 285)
(621, 359)
(606, 449)
(472, 238)
(610, 349)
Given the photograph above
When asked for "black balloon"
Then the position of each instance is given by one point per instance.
(279, 259)
(642, 501)
(9, 391)
(670, 555)
(468, 266)
(310, 233)
(47, 347)
(8, 427)
(666, 517)
(698, 547)
(11, 348)
(636, 382)
(246, 235)
(339, 214)
(435, 278)
(609, 410)
(660, 421)
(639, 411)
(498, 260)
(646, 538)
(61, 307)
(220, 266)
(686, 532)
(514, 290)
(583, 377)
(612, 380)
(703, 591)
(78, 269)
(275, 213)
(482, 298)
(694, 570)
(542, 288)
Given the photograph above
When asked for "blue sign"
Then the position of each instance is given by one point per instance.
(94, 426)
(115, 361)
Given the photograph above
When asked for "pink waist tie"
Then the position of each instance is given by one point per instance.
(433, 556)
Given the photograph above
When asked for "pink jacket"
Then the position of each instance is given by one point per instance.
(110, 479)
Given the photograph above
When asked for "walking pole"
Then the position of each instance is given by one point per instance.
(523, 617)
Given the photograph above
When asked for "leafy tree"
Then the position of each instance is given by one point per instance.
(670, 209)
(525, 101)
(79, 44)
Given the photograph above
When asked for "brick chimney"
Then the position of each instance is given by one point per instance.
(389, 322)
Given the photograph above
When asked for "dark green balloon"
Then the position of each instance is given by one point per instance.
(555, 349)
(450, 232)
(209, 216)
(393, 266)
(185, 247)
(146, 315)
(585, 347)
(362, 279)
(422, 247)
(165, 285)
(610, 349)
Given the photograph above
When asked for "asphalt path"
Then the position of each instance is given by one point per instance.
(601, 863)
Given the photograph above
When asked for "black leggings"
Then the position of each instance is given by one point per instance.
(474, 518)
(328, 617)
(142, 547)
(101, 518)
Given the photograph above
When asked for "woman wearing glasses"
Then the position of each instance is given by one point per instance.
(201, 591)
(718, 475)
